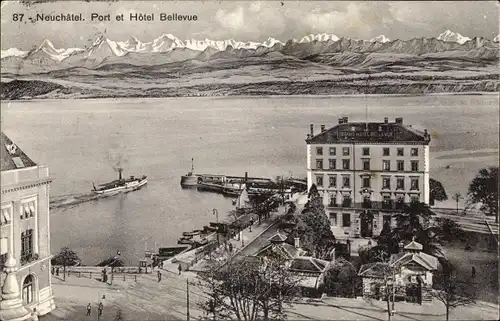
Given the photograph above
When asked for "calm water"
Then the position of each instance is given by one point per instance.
(80, 141)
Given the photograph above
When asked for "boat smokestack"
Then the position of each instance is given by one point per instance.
(120, 170)
(246, 177)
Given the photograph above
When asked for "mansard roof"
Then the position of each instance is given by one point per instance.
(372, 132)
(12, 156)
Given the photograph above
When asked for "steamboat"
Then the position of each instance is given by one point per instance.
(121, 184)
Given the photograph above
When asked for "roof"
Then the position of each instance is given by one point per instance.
(308, 264)
(12, 156)
(425, 260)
(277, 238)
(369, 133)
(288, 250)
(374, 270)
(413, 245)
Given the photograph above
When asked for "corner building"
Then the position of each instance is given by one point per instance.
(24, 235)
(367, 171)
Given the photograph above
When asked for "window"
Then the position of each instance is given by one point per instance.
(319, 150)
(319, 164)
(366, 151)
(367, 203)
(415, 199)
(414, 152)
(346, 220)
(386, 203)
(386, 183)
(400, 183)
(414, 184)
(346, 201)
(401, 166)
(3, 250)
(414, 166)
(28, 210)
(346, 164)
(333, 151)
(5, 215)
(333, 201)
(332, 163)
(400, 202)
(333, 219)
(366, 164)
(386, 151)
(319, 180)
(345, 151)
(386, 165)
(386, 220)
(346, 182)
(26, 245)
(332, 181)
(28, 287)
(366, 182)
(401, 152)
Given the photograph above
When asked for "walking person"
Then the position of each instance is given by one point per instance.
(100, 308)
(159, 276)
(473, 272)
(57, 271)
(251, 223)
(89, 309)
(180, 269)
(53, 271)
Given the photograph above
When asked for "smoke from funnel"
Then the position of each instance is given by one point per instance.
(117, 158)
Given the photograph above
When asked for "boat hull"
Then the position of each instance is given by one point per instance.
(210, 187)
(122, 189)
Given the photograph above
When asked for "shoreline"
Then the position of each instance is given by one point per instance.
(319, 96)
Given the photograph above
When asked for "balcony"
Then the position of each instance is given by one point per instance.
(28, 258)
(387, 205)
(333, 204)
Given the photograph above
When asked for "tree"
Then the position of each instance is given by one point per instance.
(65, 257)
(453, 291)
(263, 204)
(248, 289)
(313, 227)
(385, 283)
(436, 192)
(484, 190)
(342, 279)
(449, 230)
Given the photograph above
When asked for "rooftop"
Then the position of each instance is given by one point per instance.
(368, 132)
(12, 156)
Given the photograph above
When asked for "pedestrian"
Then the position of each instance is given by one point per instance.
(53, 270)
(100, 308)
(230, 247)
(89, 309)
(473, 272)
(251, 223)
(57, 271)
(161, 264)
(159, 276)
(180, 269)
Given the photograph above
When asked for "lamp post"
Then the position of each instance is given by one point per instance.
(457, 197)
(187, 299)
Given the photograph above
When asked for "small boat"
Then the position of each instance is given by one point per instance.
(190, 179)
(190, 234)
(121, 184)
(233, 188)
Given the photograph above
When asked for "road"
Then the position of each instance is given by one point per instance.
(473, 221)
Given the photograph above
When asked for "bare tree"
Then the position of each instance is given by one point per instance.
(248, 289)
(453, 291)
(65, 257)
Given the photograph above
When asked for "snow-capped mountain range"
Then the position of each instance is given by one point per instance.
(453, 37)
(168, 42)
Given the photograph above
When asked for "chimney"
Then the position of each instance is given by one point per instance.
(386, 120)
(322, 128)
(120, 170)
(308, 136)
(341, 120)
(399, 120)
(296, 242)
(312, 129)
(346, 120)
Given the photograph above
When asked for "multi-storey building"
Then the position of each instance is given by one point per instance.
(24, 235)
(366, 171)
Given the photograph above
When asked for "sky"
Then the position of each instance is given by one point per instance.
(248, 20)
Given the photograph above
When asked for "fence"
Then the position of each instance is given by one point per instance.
(98, 275)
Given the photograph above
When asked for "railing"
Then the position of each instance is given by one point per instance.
(91, 275)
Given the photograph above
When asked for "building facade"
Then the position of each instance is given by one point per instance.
(367, 171)
(25, 232)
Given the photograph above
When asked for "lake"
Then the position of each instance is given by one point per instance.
(81, 140)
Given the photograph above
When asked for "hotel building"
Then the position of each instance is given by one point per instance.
(24, 235)
(366, 171)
